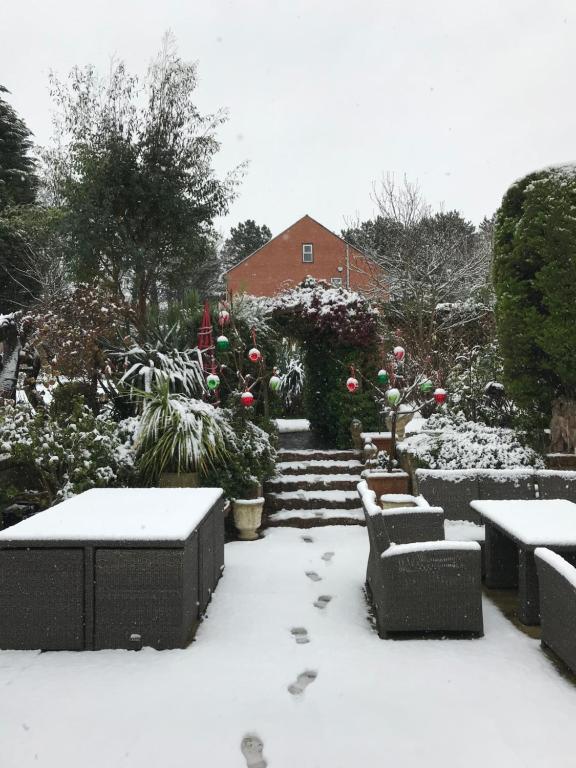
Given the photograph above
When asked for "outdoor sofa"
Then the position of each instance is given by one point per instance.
(557, 584)
(418, 581)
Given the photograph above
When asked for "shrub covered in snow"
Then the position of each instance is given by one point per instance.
(65, 456)
(315, 308)
(451, 442)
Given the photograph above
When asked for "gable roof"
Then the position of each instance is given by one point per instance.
(306, 216)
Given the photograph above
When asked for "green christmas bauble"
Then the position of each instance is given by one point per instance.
(212, 381)
(274, 383)
(222, 343)
(383, 377)
(393, 396)
(426, 386)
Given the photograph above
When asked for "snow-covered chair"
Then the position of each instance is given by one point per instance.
(557, 585)
(556, 484)
(423, 583)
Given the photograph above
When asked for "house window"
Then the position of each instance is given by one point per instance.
(307, 253)
(336, 282)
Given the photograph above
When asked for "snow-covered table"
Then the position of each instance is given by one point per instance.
(112, 568)
(514, 528)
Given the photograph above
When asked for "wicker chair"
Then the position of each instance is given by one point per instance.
(557, 584)
(555, 484)
(506, 484)
(452, 489)
(422, 586)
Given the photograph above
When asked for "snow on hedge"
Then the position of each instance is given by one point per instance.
(453, 443)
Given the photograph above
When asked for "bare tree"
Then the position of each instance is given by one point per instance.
(428, 270)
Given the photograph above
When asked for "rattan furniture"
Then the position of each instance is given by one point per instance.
(556, 484)
(557, 582)
(514, 528)
(112, 568)
(454, 489)
(420, 585)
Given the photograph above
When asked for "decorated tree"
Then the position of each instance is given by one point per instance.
(400, 390)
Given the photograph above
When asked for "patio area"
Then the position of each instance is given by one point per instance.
(496, 700)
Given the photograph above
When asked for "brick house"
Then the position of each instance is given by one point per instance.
(305, 248)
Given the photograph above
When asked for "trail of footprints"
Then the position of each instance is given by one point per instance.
(252, 746)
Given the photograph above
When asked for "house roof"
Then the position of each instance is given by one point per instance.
(306, 216)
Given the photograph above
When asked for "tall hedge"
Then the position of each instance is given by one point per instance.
(535, 284)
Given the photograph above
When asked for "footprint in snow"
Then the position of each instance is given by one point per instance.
(327, 556)
(323, 601)
(300, 635)
(307, 539)
(302, 682)
(252, 746)
(313, 575)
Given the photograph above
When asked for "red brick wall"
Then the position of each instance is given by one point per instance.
(278, 264)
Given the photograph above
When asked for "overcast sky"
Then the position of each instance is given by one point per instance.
(324, 96)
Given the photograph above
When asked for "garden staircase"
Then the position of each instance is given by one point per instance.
(313, 488)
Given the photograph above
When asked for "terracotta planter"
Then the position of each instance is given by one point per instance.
(178, 480)
(248, 517)
(381, 440)
(387, 482)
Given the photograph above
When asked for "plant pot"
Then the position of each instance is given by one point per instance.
(387, 482)
(178, 480)
(248, 517)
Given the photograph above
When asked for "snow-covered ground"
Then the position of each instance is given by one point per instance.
(494, 701)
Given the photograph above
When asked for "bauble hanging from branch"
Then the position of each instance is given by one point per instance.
(212, 381)
(247, 398)
(222, 343)
(440, 395)
(254, 355)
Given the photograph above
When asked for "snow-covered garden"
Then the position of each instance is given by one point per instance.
(325, 527)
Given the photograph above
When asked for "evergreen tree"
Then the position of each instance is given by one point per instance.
(134, 170)
(535, 284)
(244, 239)
(18, 185)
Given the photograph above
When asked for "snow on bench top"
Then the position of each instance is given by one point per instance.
(123, 514)
(429, 546)
(533, 521)
(367, 436)
(292, 425)
(557, 562)
(463, 530)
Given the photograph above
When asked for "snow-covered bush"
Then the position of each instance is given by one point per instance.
(316, 308)
(451, 442)
(65, 456)
(148, 366)
(179, 434)
(291, 387)
(252, 458)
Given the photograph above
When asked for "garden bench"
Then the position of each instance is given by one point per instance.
(557, 583)
(454, 489)
(112, 568)
(418, 581)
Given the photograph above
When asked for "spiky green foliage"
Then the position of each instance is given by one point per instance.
(535, 282)
(179, 434)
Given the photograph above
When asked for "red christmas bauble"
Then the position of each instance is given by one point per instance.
(223, 317)
(254, 354)
(440, 395)
(246, 398)
(399, 353)
(352, 384)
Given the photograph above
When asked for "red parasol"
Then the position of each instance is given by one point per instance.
(205, 338)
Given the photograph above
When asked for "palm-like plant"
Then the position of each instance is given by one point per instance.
(179, 434)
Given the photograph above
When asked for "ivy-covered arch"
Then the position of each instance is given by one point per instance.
(337, 329)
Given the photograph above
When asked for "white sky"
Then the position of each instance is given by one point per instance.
(325, 95)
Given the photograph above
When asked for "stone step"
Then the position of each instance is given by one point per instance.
(313, 454)
(320, 467)
(302, 499)
(313, 482)
(307, 518)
